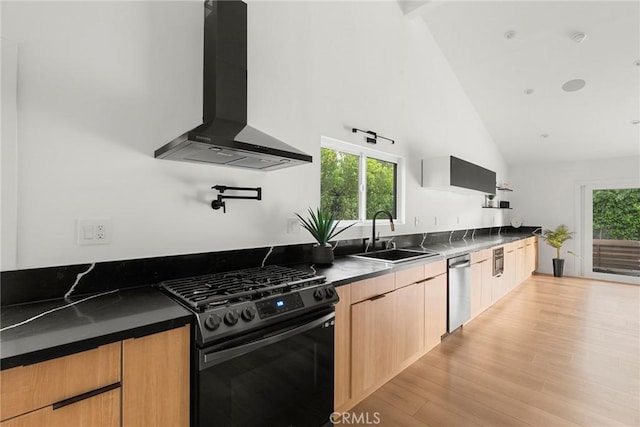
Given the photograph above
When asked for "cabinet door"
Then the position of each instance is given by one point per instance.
(409, 334)
(487, 285)
(435, 291)
(102, 410)
(509, 276)
(372, 338)
(476, 289)
(520, 264)
(155, 379)
(342, 363)
(530, 259)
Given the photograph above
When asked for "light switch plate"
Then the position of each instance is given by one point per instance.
(93, 231)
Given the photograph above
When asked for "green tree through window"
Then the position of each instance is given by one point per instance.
(340, 183)
(616, 214)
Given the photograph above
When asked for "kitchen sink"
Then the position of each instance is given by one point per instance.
(397, 255)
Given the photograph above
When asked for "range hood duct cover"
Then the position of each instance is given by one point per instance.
(224, 138)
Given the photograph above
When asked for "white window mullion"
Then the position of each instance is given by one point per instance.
(362, 202)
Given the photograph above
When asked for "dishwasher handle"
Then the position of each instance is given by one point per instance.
(462, 264)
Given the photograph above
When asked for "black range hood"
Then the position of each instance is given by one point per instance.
(224, 138)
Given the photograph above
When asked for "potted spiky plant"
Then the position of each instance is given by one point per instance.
(323, 228)
(555, 239)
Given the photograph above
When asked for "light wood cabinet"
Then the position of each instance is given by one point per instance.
(530, 255)
(368, 288)
(476, 289)
(434, 269)
(31, 387)
(155, 379)
(409, 324)
(520, 264)
(342, 348)
(143, 381)
(372, 337)
(409, 276)
(100, 410)
(508, 278)
(385, 323)
(435, 291)
(487, 285)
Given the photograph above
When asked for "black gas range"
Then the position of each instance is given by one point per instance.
(263, 346)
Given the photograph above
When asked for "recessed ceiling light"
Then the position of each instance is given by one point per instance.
(635, 122)
(509, 34)
(544, 135)
(578, 37)
(573, 85)
(529, 91)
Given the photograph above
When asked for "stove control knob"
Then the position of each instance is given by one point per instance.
(330, 292)
(231, 318)
(319, 294)
(248, 313)
(213, 322)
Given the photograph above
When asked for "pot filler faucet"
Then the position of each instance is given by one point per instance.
(374, 239)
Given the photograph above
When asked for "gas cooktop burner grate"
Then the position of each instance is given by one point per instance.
(218, 289)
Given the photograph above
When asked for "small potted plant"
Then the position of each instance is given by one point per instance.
(323, 228)
(491, 202)
(555, 239)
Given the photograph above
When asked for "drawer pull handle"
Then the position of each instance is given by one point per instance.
(83, 396)
(377, 297)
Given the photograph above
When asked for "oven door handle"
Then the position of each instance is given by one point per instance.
(215, 357)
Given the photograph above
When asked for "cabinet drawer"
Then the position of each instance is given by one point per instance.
(434, 269)
(26, 388)
(409, 276)
(368, 288)
(480, 255)
(102, 410)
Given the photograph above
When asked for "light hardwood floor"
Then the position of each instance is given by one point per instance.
(554, 352)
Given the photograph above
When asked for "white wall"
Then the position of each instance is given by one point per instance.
(546, 196)
(101, 85)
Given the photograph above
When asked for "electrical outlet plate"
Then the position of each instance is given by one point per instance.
(93, 231)
(293, 225)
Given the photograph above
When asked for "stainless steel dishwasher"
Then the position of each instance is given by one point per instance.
(459, 293)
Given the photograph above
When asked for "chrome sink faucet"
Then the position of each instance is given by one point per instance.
(374, 239)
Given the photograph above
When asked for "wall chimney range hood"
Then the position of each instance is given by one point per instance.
(224, 138)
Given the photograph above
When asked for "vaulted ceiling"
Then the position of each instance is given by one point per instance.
(513, 58)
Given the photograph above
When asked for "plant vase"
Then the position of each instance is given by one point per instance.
(558, 267)
(322, 254)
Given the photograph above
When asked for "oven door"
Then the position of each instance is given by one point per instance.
(282, 376)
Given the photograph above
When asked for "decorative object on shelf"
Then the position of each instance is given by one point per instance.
(220, 203)
(504, 204)
(490, 200)
(323, 228)
(555, 239)
(373, 138)
(503, 187)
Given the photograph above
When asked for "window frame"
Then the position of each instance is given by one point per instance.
(363, 153)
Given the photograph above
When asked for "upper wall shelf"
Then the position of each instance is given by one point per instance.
(503, 188)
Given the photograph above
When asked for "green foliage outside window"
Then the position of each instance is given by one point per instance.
(339, 182)
(616, 214)
(381, 187)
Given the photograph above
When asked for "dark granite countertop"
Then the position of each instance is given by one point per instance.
(110, 317)
(125, 313)
(347, 269)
